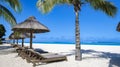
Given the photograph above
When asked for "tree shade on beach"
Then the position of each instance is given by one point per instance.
(107, 7)
(6, 13)
(30, 25)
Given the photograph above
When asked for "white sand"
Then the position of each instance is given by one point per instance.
(93, 56)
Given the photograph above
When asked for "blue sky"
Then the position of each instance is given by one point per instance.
(94, 25)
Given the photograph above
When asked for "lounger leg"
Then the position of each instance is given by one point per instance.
(66, 59)
(34, 64)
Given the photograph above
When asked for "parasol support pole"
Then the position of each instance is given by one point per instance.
(31, 39)
(17, 41)
(22, 42)
(13, 41)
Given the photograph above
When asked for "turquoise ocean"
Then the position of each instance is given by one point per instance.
(83, 43)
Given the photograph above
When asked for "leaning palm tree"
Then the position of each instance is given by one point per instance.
(107, 7)
(5, 12)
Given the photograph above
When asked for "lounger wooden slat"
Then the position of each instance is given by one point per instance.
(34, 57)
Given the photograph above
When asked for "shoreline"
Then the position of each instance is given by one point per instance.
(74, 44)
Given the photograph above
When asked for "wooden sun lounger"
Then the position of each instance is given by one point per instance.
(19, 47)
(34, 57)
(15, 45)
(51, 57)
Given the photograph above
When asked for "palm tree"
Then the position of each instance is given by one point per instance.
(6, 14)
(107, 7)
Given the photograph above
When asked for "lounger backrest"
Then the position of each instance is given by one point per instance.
(39, 54)
(35, 54)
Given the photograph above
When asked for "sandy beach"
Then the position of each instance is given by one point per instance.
(92, 56)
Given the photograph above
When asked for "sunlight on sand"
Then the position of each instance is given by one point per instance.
(93, 56)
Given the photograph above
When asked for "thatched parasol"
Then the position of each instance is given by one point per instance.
(118, 27)
(31, 25)
(20, 36)
(13, 36)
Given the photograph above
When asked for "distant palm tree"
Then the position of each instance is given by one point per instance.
(46, 5)
(5, 12)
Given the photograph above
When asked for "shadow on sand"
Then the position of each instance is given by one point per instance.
(4, 47)
(6, 50)
(114, 57)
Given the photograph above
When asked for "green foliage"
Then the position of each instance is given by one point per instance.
(103, 5)
(15, 4)
(17, 35)
(46, 5)
(2, 31)
(6, 14)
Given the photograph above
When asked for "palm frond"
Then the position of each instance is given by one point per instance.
(46, 5)
(103, 5)
(15, 4)
(7, 15)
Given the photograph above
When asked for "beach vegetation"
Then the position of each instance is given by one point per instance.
(2, 32)
(103, 5)
(6, 13)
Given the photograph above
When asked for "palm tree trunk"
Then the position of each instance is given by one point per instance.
(78, 54)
